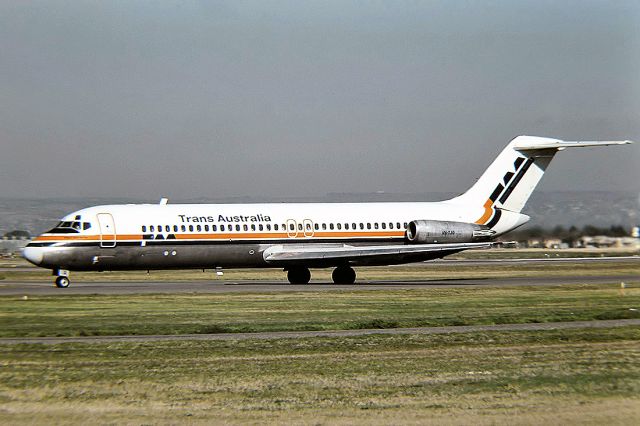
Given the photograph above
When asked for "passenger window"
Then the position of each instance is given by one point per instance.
(331, 226)
(152, 228)
(324, 226)
(175, 228)
(299, 227)
(375, 225)
(199, 228)
(398, 225)
(346, 226)
(291, 227)
(184, 228)
(260, 228)
(405, 225)
(339, 225)
(384, 225)
(361, 225)
(190, 228)
(368, 226)
(353, 226)
(144, 228)
(253, 227)
(167, 228)
(214, 228)
(275, 226)
(245, 227)
(206, 228)
(308, 227)
(316, 227)
(237, 227)
(159, 228)
(221, 227)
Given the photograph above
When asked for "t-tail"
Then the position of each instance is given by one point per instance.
(505, 187)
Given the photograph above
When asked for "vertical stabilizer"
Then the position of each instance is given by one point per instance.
(512, 177)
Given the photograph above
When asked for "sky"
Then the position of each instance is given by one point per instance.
(143, 99)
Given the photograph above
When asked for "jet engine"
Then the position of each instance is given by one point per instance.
(439, 231)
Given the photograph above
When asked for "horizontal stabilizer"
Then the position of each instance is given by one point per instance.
(527, 143)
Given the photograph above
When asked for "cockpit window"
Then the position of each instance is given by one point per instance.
(70, 227)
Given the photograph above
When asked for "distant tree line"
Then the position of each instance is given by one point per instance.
(567, 235)
(18, 234)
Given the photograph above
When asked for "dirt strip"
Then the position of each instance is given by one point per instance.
(328, 333)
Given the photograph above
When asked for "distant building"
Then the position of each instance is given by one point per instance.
(602, 241)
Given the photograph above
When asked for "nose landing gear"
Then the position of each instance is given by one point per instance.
(62, 280)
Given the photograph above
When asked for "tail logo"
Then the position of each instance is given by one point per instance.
(503, 190)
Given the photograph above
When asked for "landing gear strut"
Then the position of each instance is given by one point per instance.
(299, 275)
(62, 280)
(343, 275)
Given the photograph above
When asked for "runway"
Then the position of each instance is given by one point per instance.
(221, 286)
(325, 333)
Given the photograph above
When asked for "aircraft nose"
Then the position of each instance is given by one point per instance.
(33, 254)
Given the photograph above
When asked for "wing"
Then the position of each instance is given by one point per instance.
(333, 254)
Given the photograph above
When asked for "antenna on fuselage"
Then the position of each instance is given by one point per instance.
(163, 201)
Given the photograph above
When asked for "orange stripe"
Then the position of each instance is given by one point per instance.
(65, 237)
(360, 234)
(488, 211)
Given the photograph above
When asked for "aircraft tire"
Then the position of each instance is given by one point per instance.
(343, 275)
(62, 282)
(299, 275)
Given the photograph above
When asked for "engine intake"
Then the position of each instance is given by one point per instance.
(439, 231)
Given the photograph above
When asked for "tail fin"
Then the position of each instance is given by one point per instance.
(509, 181)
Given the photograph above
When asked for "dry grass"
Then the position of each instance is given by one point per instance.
(582, 376)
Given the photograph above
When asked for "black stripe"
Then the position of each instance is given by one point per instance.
(516, 180)
(495, 218)
(507, 177)
(518, 161)
(496, 192)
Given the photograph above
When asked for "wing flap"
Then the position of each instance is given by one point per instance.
(310, 252)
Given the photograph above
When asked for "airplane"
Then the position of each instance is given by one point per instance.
(299, 236)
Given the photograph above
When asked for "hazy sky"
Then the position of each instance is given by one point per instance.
(214, 98)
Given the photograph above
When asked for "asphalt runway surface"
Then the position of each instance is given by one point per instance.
(329, 333)
(221, 286)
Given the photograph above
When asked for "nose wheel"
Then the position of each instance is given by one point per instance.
(62, 278)
(62, 282)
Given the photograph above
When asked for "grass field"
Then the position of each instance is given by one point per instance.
(577, 376)
(324, 310)
(586, 376)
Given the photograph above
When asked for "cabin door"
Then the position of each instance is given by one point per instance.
(107, 230)
(292, 228)
(308, 228)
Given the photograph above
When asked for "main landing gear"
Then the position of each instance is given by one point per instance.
(299, 275)
(62, 279)
(343, 275)
(340, 275)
